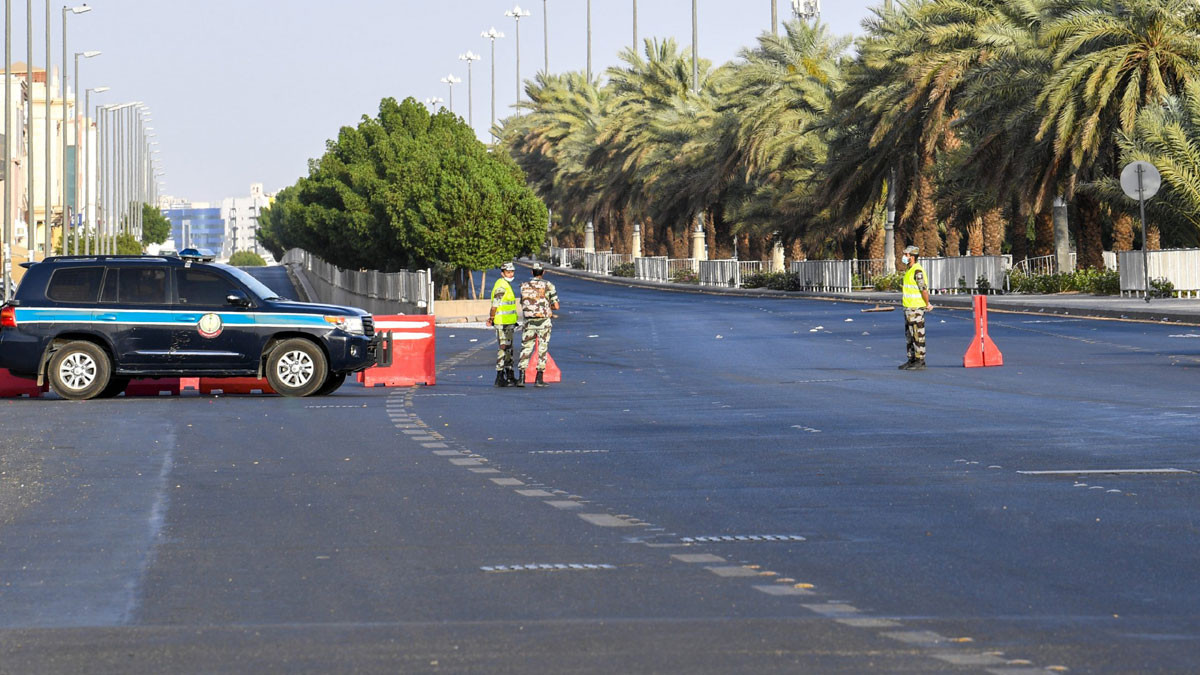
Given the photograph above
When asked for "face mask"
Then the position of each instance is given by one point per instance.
(904, 259)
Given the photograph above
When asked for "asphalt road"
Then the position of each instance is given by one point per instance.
(718, 485)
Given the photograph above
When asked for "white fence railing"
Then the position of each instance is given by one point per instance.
(651, 269)
(726, 273)
(1181, 267)
(824, 275)
(677, 265)
(950, 275)
(377, 292)
(867, 271)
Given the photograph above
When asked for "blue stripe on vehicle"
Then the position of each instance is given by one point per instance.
(170, 318)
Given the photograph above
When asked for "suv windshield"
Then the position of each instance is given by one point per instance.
(256, 287)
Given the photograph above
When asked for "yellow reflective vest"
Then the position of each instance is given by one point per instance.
(912, 293)
(506, 311)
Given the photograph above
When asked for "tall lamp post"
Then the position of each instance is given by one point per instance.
(695, 49)
(30, 216)
(89, 213)
(589, 40)
(450, 81)
(470, 57)
(78, 145)
(6, 253)
(635, 31)
(434, 102)
(546, 37)
(81, 9)
(493, 35)
(516, 14)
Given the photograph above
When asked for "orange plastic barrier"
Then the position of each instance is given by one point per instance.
(234, 385)
(982, 352)
(552, 374)
(413, 352)
(12, 386)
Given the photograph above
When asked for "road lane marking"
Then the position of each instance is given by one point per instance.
(465, 461)
(534, 493)
(565, 504)
(783, 590)
(1116, 472)
(732, 571)
(694, 558)
(547, 567)
(727, 538)
(484, 470)
(435, 445)
(604, 520)
(506, 481)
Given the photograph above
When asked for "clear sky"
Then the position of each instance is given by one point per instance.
(247, 91)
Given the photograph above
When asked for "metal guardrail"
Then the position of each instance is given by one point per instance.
(824, 275)
(1181, 267)
(366, 288)
(677, 265)
(653, 268)
(950, 275)
(720, 273)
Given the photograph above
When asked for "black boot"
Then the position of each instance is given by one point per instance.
(539, 382)
(919, 364)
(501, 380)
(520, 377)
(907, 365)
(512, 378)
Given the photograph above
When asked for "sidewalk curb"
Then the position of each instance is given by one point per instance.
(996, 303)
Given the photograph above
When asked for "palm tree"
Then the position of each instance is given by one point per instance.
(1110, 60)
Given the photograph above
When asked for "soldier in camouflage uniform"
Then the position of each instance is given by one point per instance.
(539, 300)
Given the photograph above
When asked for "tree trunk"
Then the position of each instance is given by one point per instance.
(1090, 243)
(1123, 232)
(953, 242)
(1020, 239)
(975, 237)
(877, 243)
(1043, 233)
(926, 234)
(797, 251)
(1153, 237)
(993, 232)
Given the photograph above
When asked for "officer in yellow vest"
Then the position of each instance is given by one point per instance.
(504, 317)
(916, 303)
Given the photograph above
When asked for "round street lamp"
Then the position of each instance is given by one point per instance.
(451, 80)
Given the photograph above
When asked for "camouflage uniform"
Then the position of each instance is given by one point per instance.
(538, 297)
(504, 335)
(914, 324)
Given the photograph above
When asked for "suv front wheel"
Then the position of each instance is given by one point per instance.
(296, 367)
(79, 371)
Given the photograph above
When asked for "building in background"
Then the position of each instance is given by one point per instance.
(195, 224)
(241, 223)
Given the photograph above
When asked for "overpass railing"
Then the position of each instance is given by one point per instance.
(377, 292)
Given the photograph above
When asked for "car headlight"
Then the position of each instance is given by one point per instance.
(350, 324)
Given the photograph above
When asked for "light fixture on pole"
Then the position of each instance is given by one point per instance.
(450, 80)
(81, 9)
(75, 127)
(470, 57)
(516, 14)
(810, 10)
(434, 102)
(493, 35)
(89, 213)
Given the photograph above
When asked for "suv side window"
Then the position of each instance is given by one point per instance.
(75, 284)
(202, 288)
(143, 285)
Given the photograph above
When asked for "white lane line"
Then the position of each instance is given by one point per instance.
(534, 493)
(484, 470)
(926, 638)
(868, 622)
(465, 461)
(507, 482)
(434, 445)
(694, 558)
(970, 659)
(1115, 472)
(447, 453)
(782, 589)
(548, 567)
(833, 609)
(604, 520)
(732, 571)
(563, 504)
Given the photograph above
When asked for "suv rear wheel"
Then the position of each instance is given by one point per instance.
(79, 371)
(296, 367)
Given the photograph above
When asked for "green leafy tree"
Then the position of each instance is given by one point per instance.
(406, 190)
(155, 227)
(246, 259)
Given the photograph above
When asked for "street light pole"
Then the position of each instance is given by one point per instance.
(6, 253)
(451, 80)
(89, 214)
(635, 31)
(30, 215)
(589, 41)
(546, 37)
(695, 49)
(81, 9)
(493, 34)
(470, 57)
(78, 145)
(516, 13)
(775, 17)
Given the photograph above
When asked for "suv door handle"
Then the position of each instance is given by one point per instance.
(107, 317)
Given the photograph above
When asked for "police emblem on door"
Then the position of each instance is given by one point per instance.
(210, 326)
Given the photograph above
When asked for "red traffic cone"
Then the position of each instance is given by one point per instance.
(552, 374)
(982, 352)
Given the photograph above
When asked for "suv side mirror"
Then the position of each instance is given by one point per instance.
(237, 299)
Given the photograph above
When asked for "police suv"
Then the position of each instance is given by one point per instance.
(90, 324)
